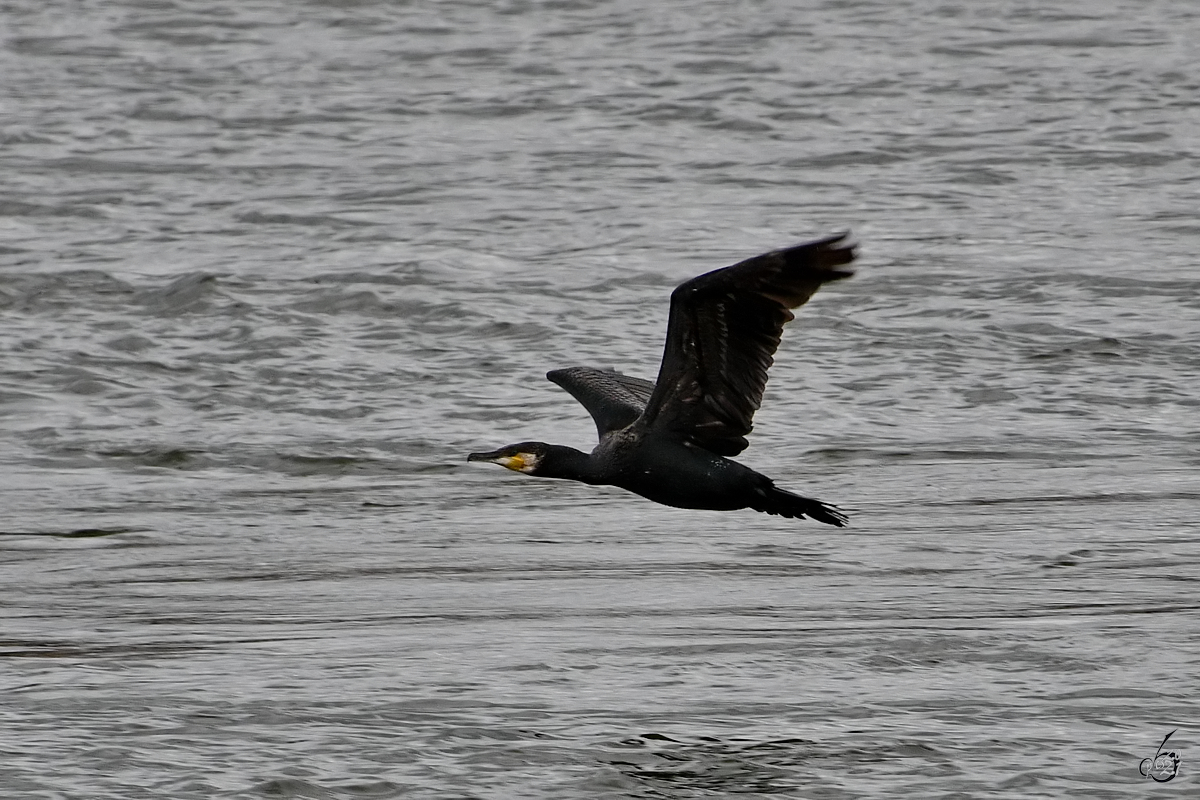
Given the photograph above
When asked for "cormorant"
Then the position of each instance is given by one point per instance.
(668, 441)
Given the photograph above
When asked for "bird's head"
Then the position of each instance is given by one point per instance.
(524, 457)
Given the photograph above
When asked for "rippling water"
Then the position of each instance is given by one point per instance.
(268, 271)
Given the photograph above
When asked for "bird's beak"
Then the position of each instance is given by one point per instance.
(514, 462)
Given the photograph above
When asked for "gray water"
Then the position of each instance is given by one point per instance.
(268, 271)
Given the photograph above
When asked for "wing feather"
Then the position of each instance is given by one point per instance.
(724, 329)
(614, 400)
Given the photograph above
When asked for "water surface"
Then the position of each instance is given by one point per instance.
(269, 271)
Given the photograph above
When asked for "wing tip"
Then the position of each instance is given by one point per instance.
(822, 256)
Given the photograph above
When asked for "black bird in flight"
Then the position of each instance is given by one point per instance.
(669, 441)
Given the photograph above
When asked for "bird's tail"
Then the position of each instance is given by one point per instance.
(774, 500)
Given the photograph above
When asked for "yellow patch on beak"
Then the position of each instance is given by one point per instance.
(515, 463)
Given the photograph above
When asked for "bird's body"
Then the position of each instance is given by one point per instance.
(667, 471)
(668, 440)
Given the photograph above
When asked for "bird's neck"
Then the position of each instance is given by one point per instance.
(568, 463)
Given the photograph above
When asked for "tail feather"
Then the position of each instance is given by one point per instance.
(781, 502)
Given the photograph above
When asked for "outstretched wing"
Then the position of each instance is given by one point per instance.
(721, 338)
(614, 400)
